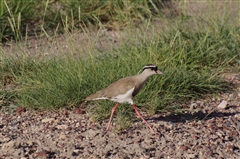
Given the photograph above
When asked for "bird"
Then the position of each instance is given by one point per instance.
(124, 89)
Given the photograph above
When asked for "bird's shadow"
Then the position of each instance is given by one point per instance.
(197, 115)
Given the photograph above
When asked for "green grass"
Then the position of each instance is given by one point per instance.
(190, 71)
(192, 59)
(19, 19)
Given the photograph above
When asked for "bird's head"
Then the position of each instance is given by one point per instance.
(151, 68)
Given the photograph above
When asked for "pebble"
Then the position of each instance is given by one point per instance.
(183, 147)
(62, 127)
(47, 120)
(193, 106)
(62, 136)
(222, 105)
(6, 139)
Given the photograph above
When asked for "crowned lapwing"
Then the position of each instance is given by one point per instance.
(123, 90)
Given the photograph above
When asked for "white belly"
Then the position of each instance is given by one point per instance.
(124, 98)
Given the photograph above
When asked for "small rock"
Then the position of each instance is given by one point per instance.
(237, 116)
(79, 111)
(62, 127)
(209, 152)
(6, 139)
(191, 155)
(62, 136)
(222, 105)
(202, 104)
(42, 154)
(75, 151)
(229, 147)
(149, 141)
(12, 145)
(183, 147)
(20, 110)
(47, 120)
(77, 124)
(25, 131)
(193, 106)
(91, 134)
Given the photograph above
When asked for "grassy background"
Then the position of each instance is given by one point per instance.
(192, 58)
(19, 19)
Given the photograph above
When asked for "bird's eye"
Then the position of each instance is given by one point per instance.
(154, 68)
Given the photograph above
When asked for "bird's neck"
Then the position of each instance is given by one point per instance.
(144, 75)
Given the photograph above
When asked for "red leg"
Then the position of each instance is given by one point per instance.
(138, 114)
(113, 110)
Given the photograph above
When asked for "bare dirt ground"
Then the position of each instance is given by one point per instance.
(201, 130)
